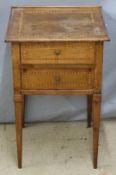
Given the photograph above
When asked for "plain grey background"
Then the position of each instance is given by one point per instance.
(47, 108)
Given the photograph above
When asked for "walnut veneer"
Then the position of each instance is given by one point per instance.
(57, 50)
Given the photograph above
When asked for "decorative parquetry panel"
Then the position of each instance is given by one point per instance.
(69, 53)
(60, 23)
(35, 78)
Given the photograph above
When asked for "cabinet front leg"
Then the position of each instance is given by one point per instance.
(23, 115)
(96, 124)
(89, 110)
(19, 101)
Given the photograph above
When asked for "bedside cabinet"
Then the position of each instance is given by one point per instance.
(57, 51)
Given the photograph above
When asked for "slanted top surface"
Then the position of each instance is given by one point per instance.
(56, 24)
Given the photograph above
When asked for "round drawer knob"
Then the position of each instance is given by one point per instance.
(57, 79)
(24, 69)
(57, 52)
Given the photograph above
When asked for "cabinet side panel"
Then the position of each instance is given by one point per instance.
(16, 67)
(98, 67)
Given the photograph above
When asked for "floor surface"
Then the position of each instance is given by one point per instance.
(58, 149)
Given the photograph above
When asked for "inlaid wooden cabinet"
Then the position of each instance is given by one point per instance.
(57, 51)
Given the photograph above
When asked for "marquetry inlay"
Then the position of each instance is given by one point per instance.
(34, 78)
(56, 24)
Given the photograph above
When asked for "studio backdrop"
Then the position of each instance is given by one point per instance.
(58, 108)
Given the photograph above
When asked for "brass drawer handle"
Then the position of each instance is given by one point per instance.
(57, 79)
(57, 52)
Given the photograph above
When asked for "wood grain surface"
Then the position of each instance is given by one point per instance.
(56, 24)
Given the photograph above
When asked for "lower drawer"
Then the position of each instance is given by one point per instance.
(57, 78)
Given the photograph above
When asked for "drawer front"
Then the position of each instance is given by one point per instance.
(39, 78)
(54, 53)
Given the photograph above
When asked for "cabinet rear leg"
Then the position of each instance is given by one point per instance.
(89, 110)
(19, 101)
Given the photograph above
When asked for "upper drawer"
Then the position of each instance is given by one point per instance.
(57, 53)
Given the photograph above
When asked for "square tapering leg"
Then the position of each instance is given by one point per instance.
(96, 124)
(19, 102)
(23, 117)
(89, 110)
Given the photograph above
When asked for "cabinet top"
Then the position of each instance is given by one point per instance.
(35, 24)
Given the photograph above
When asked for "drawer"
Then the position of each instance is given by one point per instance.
(54, 53)
(57, 78)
